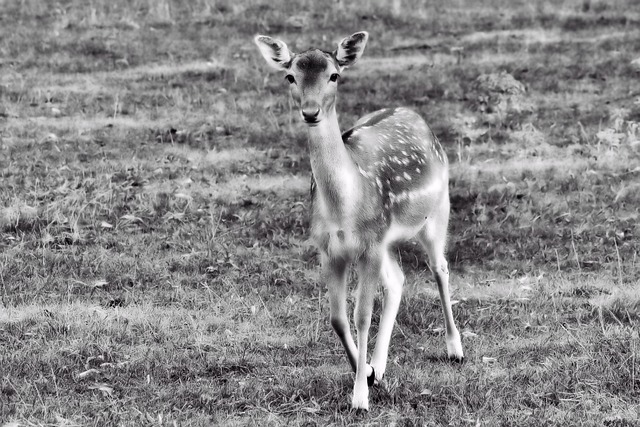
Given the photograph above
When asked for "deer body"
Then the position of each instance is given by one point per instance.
(391, 169)
(382, 181)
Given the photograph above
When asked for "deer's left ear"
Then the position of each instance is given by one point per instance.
(351, 48)
(275, 52)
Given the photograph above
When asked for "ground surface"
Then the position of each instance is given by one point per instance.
(154, 263)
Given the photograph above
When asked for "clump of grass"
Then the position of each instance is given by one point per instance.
(18, 216)
(621, 305)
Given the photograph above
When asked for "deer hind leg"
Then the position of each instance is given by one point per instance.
(433, 238)
(368, 277)
(334, 273)
(393, 280)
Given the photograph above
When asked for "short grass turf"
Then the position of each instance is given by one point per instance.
(154, 176)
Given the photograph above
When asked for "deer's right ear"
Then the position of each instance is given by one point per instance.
(275, 52)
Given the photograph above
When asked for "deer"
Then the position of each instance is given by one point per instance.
(384, 181)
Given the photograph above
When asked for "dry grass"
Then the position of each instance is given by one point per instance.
(154, 263)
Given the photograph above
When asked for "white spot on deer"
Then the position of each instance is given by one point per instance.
(407, 176)
(397, 198)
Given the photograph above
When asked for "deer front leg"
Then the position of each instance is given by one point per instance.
(334, 273)
(393, 280)
(368, 277)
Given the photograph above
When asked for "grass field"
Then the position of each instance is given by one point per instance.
(154, 177)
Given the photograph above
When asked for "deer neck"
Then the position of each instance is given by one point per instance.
(333, 168)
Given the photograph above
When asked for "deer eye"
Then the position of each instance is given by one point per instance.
(334, 77)
(290, 78)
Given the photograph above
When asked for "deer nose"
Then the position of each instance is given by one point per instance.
(310, 112)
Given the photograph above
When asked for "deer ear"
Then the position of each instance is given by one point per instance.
(275, 52)
(350, 49)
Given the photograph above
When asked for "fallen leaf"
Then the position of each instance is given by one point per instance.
(99, 283)
(52, 137)
(130, 217)
(104, 388)
(88, 373)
